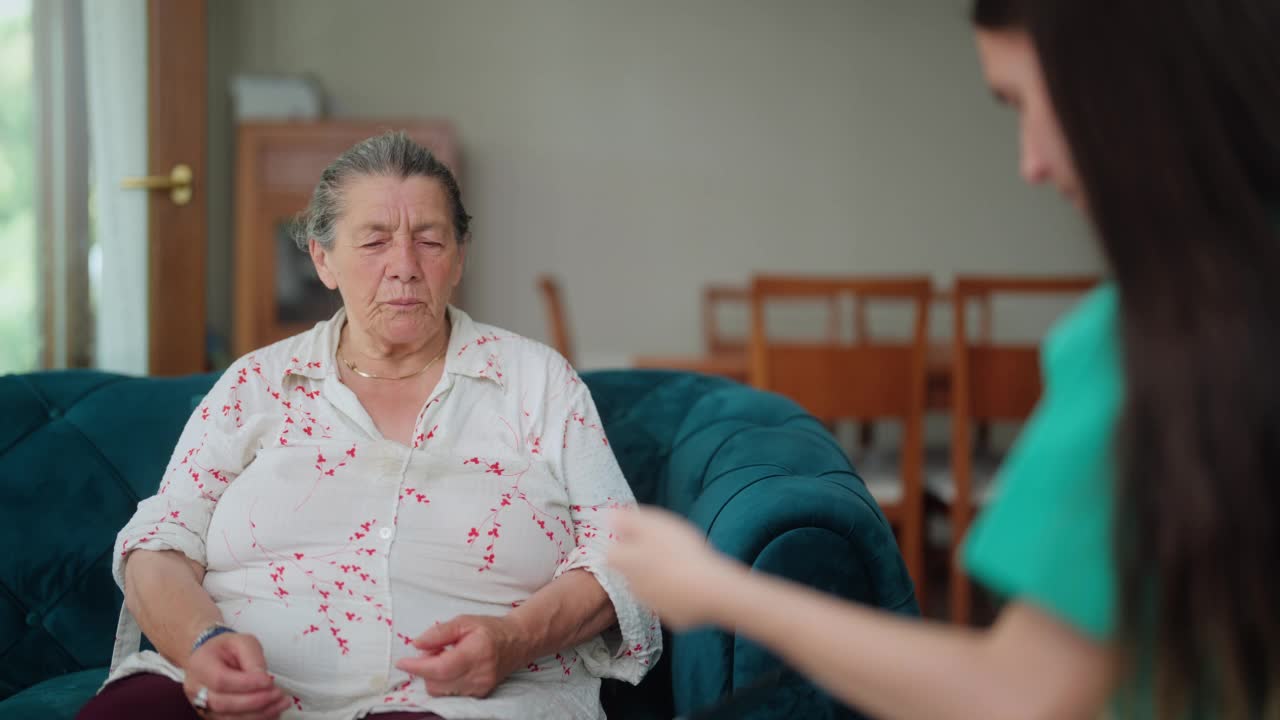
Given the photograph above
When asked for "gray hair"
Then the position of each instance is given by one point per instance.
(391, 153)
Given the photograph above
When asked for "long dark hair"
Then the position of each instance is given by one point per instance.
(1172, 113)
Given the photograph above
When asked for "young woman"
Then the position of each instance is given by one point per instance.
(1134, 535)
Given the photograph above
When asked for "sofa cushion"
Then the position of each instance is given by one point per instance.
(58, 698)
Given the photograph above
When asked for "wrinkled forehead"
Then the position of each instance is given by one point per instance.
(388, 203)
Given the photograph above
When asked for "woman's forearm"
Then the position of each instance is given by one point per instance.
(568, 611)
(1028, 666)
(163, 591)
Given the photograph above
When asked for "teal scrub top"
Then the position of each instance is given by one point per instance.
(1046, 539)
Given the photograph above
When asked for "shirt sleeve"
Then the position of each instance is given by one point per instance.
(215, 446)
(596, 487)
(1046, 539)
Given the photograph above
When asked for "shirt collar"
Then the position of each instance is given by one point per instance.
(474, 350)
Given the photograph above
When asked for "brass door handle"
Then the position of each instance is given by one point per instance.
(177, 182)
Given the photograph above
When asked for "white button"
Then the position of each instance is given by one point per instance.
(385, 533)
(377, 683)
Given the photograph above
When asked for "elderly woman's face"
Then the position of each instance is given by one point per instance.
(395, 259)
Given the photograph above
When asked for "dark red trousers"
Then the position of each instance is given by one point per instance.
(156, 696)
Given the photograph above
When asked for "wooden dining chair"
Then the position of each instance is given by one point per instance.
(862, 335)
(716, 297)
(558, 324)
(726, 354)
(991, 382)
(865, 379)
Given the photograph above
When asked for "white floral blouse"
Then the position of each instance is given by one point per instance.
(336, 547)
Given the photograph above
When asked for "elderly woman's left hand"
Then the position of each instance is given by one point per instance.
(469, 655)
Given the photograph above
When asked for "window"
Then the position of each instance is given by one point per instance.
(20, 336)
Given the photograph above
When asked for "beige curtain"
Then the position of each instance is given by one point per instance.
(62, 217)
(91, 87)
(115, 35)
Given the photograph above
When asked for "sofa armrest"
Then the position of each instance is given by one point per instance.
(822, 531)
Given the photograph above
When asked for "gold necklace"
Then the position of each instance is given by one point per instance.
(352, 367)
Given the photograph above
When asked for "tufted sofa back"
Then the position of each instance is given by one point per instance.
(77, 452)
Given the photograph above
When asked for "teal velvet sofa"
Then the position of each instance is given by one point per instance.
(762, 478)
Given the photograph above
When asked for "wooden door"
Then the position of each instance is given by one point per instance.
(177, 60)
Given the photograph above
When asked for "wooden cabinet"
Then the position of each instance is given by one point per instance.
(276, 290)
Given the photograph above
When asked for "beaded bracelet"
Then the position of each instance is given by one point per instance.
(212, 632)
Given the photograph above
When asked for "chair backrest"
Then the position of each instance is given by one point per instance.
(715, 297)
(833, 380)
(993, 380)
(558, 323)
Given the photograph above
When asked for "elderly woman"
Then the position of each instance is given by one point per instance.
(398, 511)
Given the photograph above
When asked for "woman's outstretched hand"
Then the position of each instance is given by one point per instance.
(670, 567)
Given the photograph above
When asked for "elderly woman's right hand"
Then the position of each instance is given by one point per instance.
(233, 669)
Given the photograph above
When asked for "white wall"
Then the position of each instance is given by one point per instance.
(641, 148)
